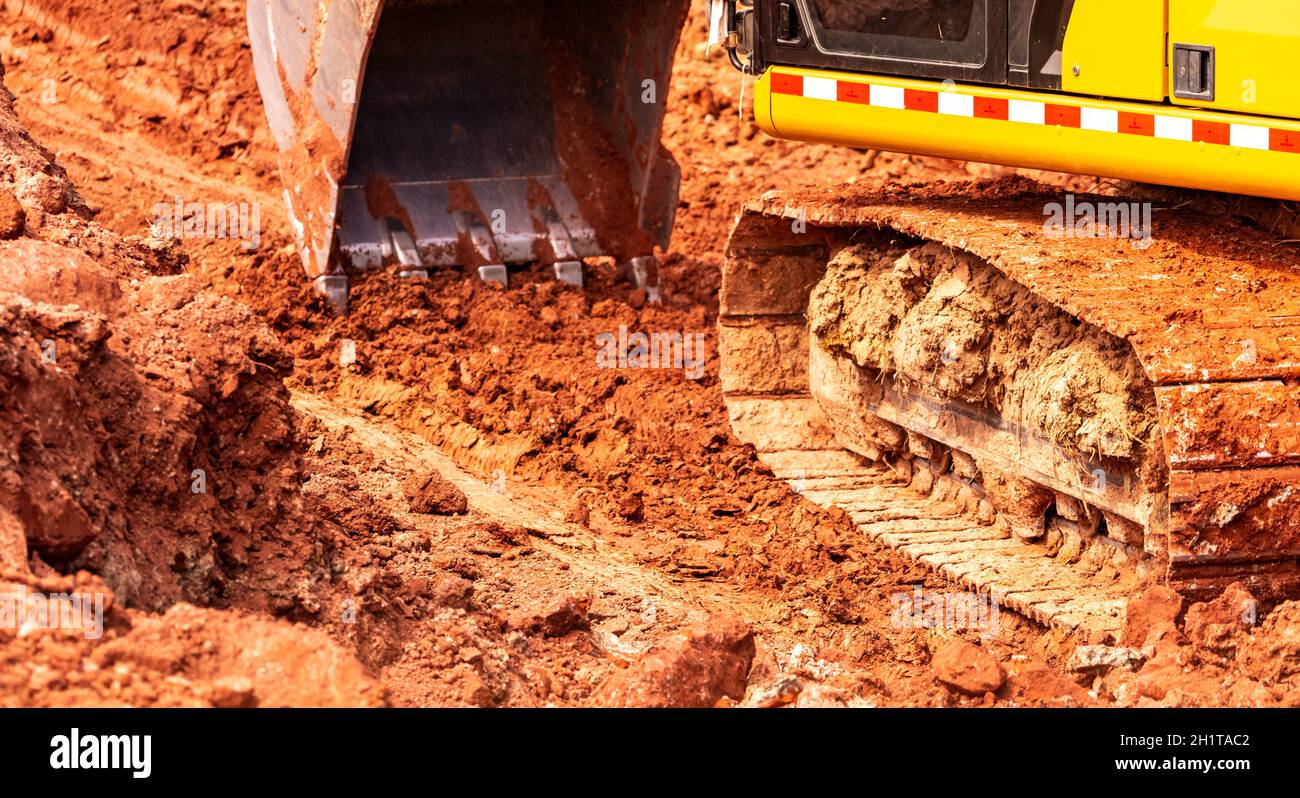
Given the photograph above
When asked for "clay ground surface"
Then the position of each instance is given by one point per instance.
(467, 510)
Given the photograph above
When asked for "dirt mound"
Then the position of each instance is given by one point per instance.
(175, 70)
(185, 657)
(149, 434)
(1224, 652)
(28, 169)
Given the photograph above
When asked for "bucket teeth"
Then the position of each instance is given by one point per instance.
(470, 226)
(479, 235)
(494, 274)
(569, 272)
(334, 287)
(644, 274)
(451, 120)
(396, 242)
(557, 234)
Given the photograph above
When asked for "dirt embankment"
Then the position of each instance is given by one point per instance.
(149, 460)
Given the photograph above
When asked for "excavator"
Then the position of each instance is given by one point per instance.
(1050, 398)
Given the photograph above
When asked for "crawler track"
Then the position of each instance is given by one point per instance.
(1211, 311)
(938, 523)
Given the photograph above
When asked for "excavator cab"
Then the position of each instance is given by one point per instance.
(1016, 42)
(432, 134)
(1187, 93)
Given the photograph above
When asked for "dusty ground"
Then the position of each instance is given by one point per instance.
(594, 536)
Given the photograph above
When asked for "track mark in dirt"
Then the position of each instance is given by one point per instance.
(584, 553)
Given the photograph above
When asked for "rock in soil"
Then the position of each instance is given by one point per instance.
(1218, 628)
(12, 216)
(696, 668)
(632, 507)
(579, 513)
(968, 669)
(431, 494)
(44, 192)
(1157, 607)
(1037, 685)
(556, 618)
(1098, 659)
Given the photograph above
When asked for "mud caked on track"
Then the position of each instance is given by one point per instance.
(469, 510)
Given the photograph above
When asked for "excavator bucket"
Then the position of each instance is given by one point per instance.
(427, 134)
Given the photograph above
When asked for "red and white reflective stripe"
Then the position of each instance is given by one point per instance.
(1035, 112)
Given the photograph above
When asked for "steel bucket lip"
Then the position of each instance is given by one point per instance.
(332, 144)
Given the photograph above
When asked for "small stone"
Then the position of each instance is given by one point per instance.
(632, 507)
(698, 668)
(473, 690)
(783, 691)
(232, 693)
(432, 494)
(44, 193)
(450, 590)
(411, 541)
(968, 669)
(579, 513)
(556, 618)
(1097, 659)
(1157, 607)
(13, 219)
(509, 534)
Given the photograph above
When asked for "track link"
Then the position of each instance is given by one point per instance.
(939, 523)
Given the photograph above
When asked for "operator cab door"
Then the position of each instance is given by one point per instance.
(980, 41)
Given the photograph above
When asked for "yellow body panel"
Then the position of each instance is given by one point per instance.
(1118, 47)
(1191, 164)
(1256, 45)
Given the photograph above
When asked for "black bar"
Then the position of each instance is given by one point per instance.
(973, 748)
